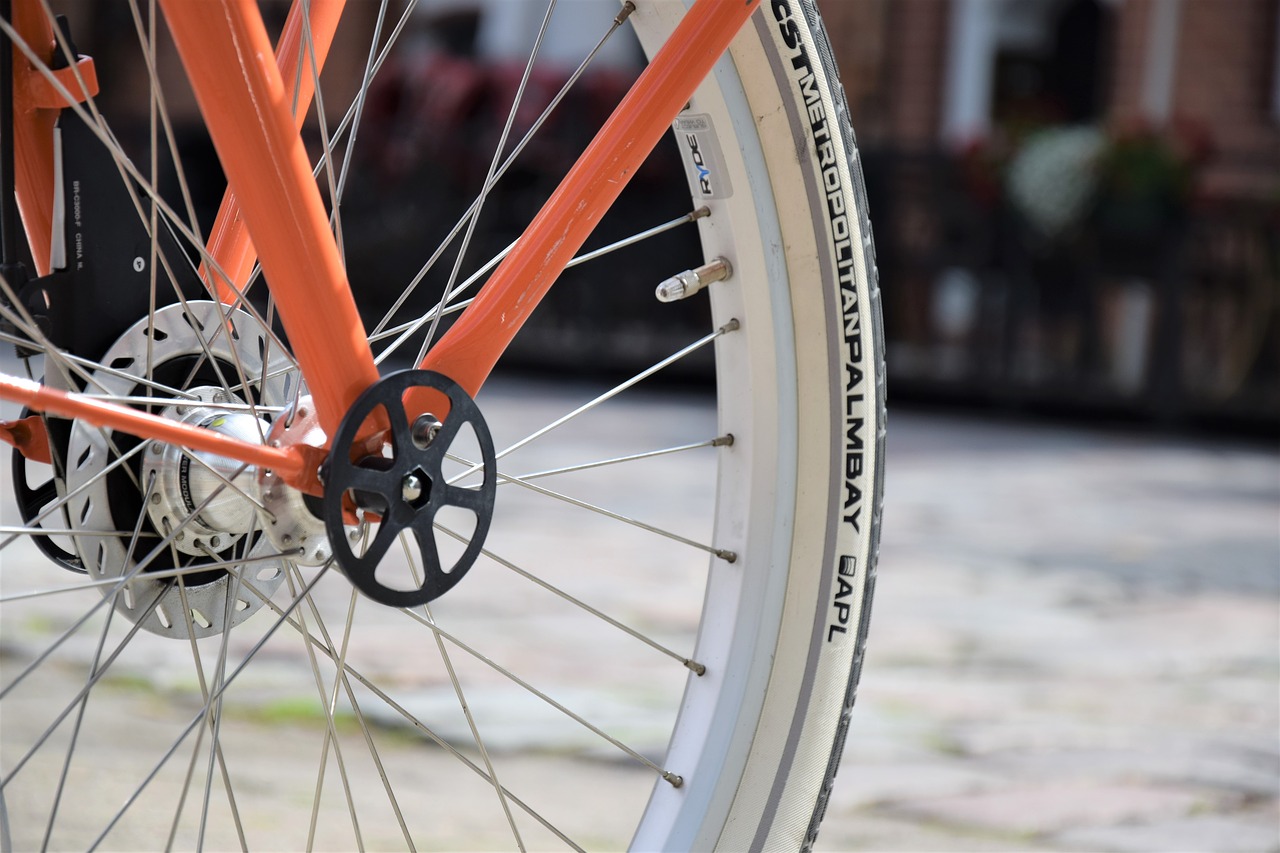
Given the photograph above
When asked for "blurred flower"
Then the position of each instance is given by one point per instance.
(1053, 179)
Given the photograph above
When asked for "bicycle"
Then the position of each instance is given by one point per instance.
(192, 475)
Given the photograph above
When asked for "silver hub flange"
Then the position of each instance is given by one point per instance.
(291, 525)
(219, 494)
(237, 583)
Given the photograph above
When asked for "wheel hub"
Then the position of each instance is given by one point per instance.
(220, 493)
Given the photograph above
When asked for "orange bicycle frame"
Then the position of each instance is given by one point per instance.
(248, 110)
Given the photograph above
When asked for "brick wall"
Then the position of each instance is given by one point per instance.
(1223, 80)
(891, 55)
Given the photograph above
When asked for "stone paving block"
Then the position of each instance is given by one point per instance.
(867, 784)
(869, 831)
(1202, 765)
(1219, 833)
(1056, 808)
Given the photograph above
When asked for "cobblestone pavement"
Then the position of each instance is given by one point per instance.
(1075, 646)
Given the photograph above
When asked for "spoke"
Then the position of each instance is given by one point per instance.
(228, 482)
(674, 779)
(81, 695)
(62, 501)
(407, 330)
(180, 397)
(720, 441)
(82, 704)
(362, 93)
(215, 716)
(687, 662)
(473, 211)
(331, 732)
(121, 582)
(731, 326)
(124, 163)
(728, 556)
(191, 403)
(200, 715)
(326, 153)
(94, 670)
(489, 176)
(462, 702)
(340, 660)
(350, 118)
(157, 575)
(364, 681)
(54, 531)
(147, 33)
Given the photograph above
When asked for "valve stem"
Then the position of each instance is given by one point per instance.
(689, 282)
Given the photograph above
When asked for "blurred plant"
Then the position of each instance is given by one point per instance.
(1146, 177)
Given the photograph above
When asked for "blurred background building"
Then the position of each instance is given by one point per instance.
(1076, 202)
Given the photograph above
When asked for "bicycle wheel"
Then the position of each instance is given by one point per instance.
(660, 642)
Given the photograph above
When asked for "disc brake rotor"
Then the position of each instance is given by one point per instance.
(192, 347)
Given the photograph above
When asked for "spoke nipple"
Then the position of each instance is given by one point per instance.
(700, 213)
(685, 284)
(695, 667)
(731, 326)
(676, 781)
(627, 9)
(727, 556)
(725, 440)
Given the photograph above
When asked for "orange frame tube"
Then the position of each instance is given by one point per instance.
(248, 112)
(225, 49)
(471, 347)
(229, 243)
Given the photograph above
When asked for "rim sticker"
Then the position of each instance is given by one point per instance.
(700, 150)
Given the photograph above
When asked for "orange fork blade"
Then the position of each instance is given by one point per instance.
(229, 243)
(469, 350)
(232, 69)
(298, 464)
